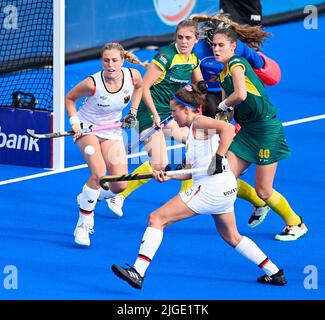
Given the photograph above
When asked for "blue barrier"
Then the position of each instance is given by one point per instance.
(16, 147)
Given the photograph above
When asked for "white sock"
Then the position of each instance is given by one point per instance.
(252, 252)
(88, 199)
(106, 194)
(151, 240)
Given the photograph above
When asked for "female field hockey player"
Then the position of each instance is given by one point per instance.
(266, 69)
(171, 68)
(261, 138)
(107, 93)
(215, 193)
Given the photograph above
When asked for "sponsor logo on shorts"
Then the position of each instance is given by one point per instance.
(230, 192)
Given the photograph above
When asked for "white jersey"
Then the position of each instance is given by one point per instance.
(210, 194)
(105, 107)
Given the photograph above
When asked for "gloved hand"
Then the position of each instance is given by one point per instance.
(215, 165)
(129, 121)
(223, 115)
(223, 107)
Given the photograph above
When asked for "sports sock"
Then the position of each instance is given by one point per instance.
(133, 185)
(88, 198)
(247, 192)
(106, 194)
(87, 203)
(249, 249)
(186, 184)
(280, 205)
(151, 240)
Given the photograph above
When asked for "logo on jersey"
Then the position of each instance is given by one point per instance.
(162, 58)
(127, 99)
(103, 97)
(171, 12)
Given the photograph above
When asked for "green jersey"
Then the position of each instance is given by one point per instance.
(261, 138)
(177, 72)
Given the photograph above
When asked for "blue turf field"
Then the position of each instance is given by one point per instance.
(38, 216)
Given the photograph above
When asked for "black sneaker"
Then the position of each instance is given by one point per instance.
(277, 279)
(130, 275)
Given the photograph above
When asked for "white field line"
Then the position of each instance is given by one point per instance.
(48, 173)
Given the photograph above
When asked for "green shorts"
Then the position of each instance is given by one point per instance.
(145, 118)
(261, 149)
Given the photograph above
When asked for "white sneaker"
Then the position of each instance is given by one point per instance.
(291, 233)
(81, 235)
(258, 216)
(85, 227)
(116, 204)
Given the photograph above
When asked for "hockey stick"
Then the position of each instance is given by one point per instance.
(143, 139)
(128, 177)
(71, 132)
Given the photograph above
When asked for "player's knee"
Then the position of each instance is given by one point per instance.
(118, 187)
(155, 220)
(263, 193)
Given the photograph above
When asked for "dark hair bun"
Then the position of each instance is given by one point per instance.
(202, 86)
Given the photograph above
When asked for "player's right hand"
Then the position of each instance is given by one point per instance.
(160, 176)
(156, 121)
(76, 127)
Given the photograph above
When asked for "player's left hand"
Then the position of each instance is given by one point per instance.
(129, 121)
(215, 165)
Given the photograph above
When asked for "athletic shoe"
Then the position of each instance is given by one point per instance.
(291, 233)
(81, 235)
(258, 216)
(277, 279)
(130, 275)
(116, 204)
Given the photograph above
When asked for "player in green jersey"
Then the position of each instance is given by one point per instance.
(171, 69)
(261, 139)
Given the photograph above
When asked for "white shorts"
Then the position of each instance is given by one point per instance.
(207, 198)
(111, 134)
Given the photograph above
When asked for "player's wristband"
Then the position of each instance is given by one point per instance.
(223, 107)
(74, 120)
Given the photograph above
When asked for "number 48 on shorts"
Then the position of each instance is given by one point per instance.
(264, 153)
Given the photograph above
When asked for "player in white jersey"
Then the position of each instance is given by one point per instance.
(107, 93)
(215, 193)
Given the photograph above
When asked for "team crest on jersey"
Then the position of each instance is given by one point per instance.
(127, 99)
